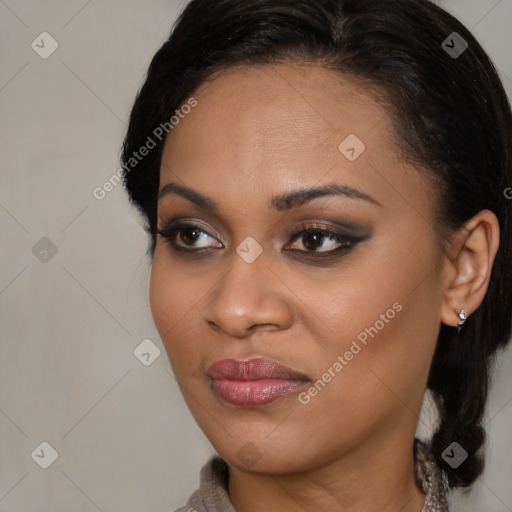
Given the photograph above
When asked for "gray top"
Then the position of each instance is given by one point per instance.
(212, 495)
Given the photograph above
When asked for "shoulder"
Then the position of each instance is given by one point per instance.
(430, 479)
(212, 494)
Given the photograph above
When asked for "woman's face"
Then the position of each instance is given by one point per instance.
(350, 308)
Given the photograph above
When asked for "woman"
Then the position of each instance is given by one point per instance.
(323, 183)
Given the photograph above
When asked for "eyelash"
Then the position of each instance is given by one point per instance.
(346, 241)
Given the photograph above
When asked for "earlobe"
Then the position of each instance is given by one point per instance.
(476, 243)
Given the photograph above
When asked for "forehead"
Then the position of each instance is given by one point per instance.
(265, 103)
(264, 129)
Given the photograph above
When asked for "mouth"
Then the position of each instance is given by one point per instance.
(253, 382)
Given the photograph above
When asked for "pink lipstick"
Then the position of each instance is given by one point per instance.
(253, 382)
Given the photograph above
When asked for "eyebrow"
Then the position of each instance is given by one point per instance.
(281, 202)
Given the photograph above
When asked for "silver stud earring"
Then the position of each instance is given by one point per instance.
(463, 317)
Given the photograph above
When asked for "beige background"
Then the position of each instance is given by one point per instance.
(69, 324)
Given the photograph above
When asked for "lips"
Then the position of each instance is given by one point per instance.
(253, 382)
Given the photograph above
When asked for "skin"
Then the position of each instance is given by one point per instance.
(258, 132)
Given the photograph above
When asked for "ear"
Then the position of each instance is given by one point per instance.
(469, 266)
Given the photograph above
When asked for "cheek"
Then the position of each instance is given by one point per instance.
(176, 297)
(374, 373)
(171, 300)
(344, 302)
(382, 318)
(161, 300)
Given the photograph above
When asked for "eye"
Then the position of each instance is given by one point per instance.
(189, 237)
(321, 241)
(312, 240)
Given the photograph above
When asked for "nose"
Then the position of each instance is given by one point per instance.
(250, 297)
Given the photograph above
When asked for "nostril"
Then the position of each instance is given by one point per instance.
(264, 327)
(212, 324)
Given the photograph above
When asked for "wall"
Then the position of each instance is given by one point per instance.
(74, 275)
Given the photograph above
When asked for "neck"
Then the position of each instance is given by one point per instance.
(372, 478)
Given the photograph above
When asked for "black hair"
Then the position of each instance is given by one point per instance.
(451, 116)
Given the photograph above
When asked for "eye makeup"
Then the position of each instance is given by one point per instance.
(190, 238)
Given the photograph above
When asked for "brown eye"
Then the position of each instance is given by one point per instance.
(188, 237)
(313, 239)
